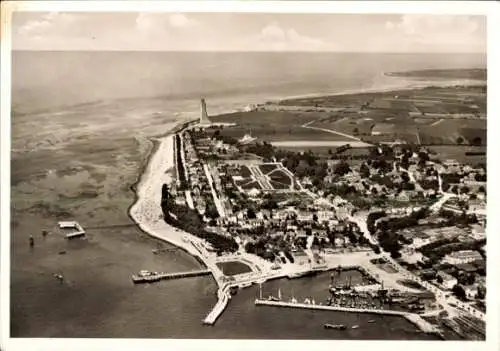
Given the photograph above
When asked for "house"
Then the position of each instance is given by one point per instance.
(470, 291)
(466, 267)
(448, 281)
(478, 232)
(428, 274)
(253, 192)
(324, 216)
(304, 216)
(464, 256)
(403, 196)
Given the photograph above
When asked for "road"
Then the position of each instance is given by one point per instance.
(217, 202)
(307, 125)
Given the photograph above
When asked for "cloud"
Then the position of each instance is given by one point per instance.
(179, 20)
(47, 23)
(274, 36)
(157, 23)
(436, 28)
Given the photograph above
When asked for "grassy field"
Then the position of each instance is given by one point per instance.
(233, 268)
(279, 133)
(447, 132)
(458, 153)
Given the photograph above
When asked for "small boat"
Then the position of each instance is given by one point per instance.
(371, 321)
(355, 326)
(334, 326)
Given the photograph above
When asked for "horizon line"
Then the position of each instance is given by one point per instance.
(257, 51)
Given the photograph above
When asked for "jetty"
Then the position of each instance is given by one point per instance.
(223, 298)
(412, 317)
(78, 229)
(154, 277)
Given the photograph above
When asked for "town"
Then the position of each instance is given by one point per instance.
(411, 223)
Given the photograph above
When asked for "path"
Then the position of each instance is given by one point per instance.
(307, 125)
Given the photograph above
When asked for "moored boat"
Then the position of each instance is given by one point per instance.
(334, 326)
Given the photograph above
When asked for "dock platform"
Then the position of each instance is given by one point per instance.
(166, 276)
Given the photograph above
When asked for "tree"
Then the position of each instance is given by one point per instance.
(481, 292)
(424, 156)
(355, 131)
(460, 140)
(315, 217)
(211, 211)
(251, 213)
(342, 168)
(459, 292)
(439, 279)
(364, 170)
(477, 141)
(395, 254)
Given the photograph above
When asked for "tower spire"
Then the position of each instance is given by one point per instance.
(204, 115)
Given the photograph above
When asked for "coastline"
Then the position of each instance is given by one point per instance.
(410, 83)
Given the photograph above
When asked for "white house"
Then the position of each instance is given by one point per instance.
(470, 291)
(464, 256)
(448, 281)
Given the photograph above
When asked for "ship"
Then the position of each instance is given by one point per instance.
(355, 326)
(272, 298)
(334, 326)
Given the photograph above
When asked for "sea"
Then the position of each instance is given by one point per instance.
(63, 98)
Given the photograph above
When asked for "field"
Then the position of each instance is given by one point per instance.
(250, 185)
(280, 176)
(404, 112)
(458, 153)
(233, 268)
(267, 168)
(279, 133)
(273, 125)
(449, 131)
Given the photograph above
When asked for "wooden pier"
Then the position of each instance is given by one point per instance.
(166, 276)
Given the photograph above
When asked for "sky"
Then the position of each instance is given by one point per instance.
(248, 32)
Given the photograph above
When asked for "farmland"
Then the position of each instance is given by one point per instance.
(275, 125)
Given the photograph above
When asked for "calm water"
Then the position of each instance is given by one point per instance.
(67, 95)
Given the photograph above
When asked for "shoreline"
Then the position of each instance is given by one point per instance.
(443, 83)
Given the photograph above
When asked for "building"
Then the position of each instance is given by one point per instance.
(464, 256)
(448, 281)
(247, 139)
(470, 291)
(204, 120)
